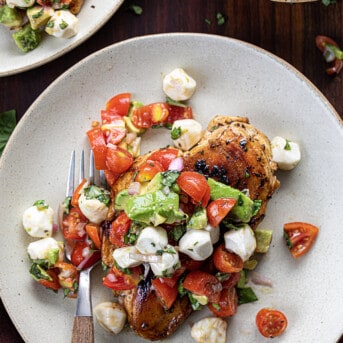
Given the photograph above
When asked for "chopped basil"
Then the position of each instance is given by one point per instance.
(38, 14)
(63, 25)
(169, 177)
(288, 240)
(216, 306)
(176, 132)
(243, 279)
(287, 145)
(66, 205)
(220, 18)
(95, 192)
(246, 295)
(50, 24)
(138, 10)
(170, 101)
(256, 207)
(38, 273)
(160, 252)
(177, 232)
(7, 124)
(41, 205)
(194, 302)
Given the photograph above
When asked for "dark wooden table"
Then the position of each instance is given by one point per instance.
(287, 30)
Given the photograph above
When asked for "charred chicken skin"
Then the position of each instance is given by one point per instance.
(231, 151)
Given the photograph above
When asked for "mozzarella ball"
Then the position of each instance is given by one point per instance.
(20, 3)
(111, 316)
(63, 24)
(95, 210)
(178, 85)
(186, 133)
(285, 153)
(196, 244)
(122, 257)
(41, 249)
(170, 262)
(209, 330)
(242, 242)
(214, 233)
(151, 239)
(38, 221)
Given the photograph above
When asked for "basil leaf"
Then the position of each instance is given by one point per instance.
(246, 295)
(7, 124)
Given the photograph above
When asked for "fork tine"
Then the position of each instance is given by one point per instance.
(91, 167)
(71, 175)
(82, 167)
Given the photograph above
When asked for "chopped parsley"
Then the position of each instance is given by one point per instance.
(138, 10)
(176, 132)
(41, 205)
(287, 145)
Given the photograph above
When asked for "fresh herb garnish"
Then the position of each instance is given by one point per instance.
(287, 145)
(176, 132)
(138, 10)
(246, 295)
(7, 124)
(41, 205)
(220, 18)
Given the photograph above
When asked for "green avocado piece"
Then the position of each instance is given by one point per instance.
(128, 119)
(121, 199)
(154, 208)
(26, 38)
(198, 219)
(154, 184)
(245, 207)
(10, 17)
(38, 16)
(263, 240)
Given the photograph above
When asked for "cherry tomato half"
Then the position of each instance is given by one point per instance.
(166, 293)
(179, 112)
(98, 145)
(118, 160)
(164, 156)
(271, 323)
(203, 283)
(227, 304)
(148, 115)
(73, 224)
(194, 185)
(226, 261)
(148, 170)
(218, 209)
(119, 228)
(118, 280)
(53, 283)
(119, 104)
(300, 237)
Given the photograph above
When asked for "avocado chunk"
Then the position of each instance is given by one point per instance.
(10, 17)
(198, 219)
(39, 16)
(121, 199)
(154, 208)
(26, 38)
(245, 207)
(263, 240)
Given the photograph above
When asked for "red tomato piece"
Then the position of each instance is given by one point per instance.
(93, 232)
(227, 304)
(232, 280)
(164, 156)
(73, 225)
(226, 261)
(98, 145)
(53, 283)
(148, 115)
(271, 323)
(202, 283)
(119, 104)
(76, 195)
(118, 160)
(194, 185)
(165, 293)
(82, 250)
(172, 281)
(179, 112)
(300, 237)
(206, 198)
(218, 209)
(148, 170)
(111, 177)
(68, 275)
(118, 280)
(119, 227)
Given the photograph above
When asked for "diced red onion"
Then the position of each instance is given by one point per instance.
(176, 164)
(134, 188)
(146, 258)
(112, 278)
(54, 227)
(80, 228)
(260, 279)
(84, 261)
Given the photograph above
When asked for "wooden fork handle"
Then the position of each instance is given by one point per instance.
(83, 330)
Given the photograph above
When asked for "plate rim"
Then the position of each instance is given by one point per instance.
(63, 51)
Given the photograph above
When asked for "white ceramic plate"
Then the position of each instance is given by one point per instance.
(93, 16)
(234, 78)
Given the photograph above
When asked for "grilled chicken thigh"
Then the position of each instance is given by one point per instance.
(231, 151)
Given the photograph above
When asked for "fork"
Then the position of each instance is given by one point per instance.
(83, 327)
